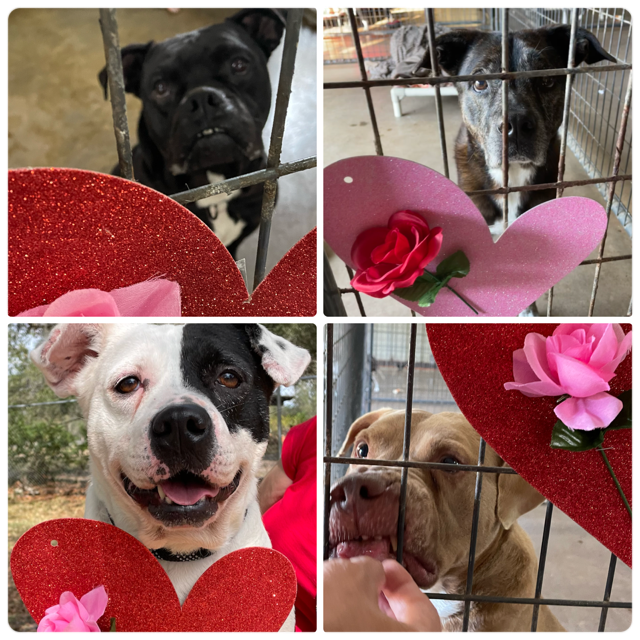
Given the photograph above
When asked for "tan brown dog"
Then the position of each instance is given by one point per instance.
(364, 516)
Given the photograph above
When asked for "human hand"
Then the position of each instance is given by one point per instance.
(353, 600)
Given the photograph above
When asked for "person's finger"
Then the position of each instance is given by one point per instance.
(371, 574)
(405, 599)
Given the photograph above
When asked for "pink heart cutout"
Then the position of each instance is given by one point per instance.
(536, 252)
(251, 589)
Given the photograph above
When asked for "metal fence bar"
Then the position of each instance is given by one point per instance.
(505, 118)
(607, 592)
(554, 602)
(474, 537)
(331, 298)
(402, 508)
(614, 171)
(356, 292)
(503, 75)
(246, 180)
(363, 75)
(291, 37)
(435, 70)
(328, 433)
(541, 563)
(109, 27)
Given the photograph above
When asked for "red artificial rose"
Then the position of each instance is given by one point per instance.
(393, 258)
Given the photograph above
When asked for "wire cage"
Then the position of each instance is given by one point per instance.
(363, 365)
(596, 122)
(274, 170)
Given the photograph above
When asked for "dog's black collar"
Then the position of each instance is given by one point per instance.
(169, 556)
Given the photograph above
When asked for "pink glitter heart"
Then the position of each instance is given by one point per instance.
(250, 589)
(536, 252)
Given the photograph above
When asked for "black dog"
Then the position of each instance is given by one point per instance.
(205, 97)
(535, 110)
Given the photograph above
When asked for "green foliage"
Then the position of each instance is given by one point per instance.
(45, 440)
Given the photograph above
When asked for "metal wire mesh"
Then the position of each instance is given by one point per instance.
(596, 112)
(338, 352)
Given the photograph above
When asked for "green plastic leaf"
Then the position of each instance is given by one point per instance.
(419, 288)
(430, 296)
(564, 438)
(455, 266)
(623, 419)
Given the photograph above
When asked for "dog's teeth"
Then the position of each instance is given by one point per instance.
(365, 538)
(161, 493)
(218, 130)
(378, 538)
(394, 543)
(207, 132)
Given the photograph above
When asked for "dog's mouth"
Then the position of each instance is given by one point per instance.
(424, 572)
(184, 500)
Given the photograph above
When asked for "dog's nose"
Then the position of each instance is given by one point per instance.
(356, 488)
(182, 435)
(523, 126)
(205, 102)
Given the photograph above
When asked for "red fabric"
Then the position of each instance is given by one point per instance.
(291, 522)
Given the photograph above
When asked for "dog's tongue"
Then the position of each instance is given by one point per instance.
(378, 549)
(187, 493)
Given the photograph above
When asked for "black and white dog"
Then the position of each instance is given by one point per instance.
(206, 97)
(177, 422)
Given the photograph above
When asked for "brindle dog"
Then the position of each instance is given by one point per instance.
(535, 110)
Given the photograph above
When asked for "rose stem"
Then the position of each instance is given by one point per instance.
(461, 298)
(613, 475)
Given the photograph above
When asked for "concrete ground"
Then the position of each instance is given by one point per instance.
(58, 117)
(414, 136)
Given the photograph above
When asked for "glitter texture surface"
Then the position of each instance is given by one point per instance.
(251, 589)
(536, 252)
(71, 229)
(475, 361)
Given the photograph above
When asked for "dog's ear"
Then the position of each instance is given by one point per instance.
(265, 26)
(359, 425)
(133, 56)
(282, 360)
(65, 352)
(515, 498)
(452, 48)
(588, 49)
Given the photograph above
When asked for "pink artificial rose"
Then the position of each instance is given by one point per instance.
(578, 360)
(76, 615)
(394, 257)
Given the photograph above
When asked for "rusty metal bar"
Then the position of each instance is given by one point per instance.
(363, 75)
(551, 602)
(510, 75)
(474, 537)
(111, 41)
(406, 444)
(434, 72)
(332, 301)
(565, 128)
(566, 184)
(607, 592)
(505, 118)
(246, 180)
(612, 188)
(541, 563)
(291, 36)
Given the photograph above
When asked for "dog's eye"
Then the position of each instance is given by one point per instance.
(161, 89)
(480, 85)
(128, 385)
(362, 450)
(229, 379)
(450, 460)
(239, 65)
(547, 83)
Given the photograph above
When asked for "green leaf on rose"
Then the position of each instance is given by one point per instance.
(569, 440)
(419, 288)
(455, 266)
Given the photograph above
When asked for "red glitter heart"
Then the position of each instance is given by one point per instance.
(71, 229)
(251, 589)
(475, 361)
